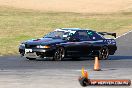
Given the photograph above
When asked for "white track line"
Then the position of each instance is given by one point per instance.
(124, 34)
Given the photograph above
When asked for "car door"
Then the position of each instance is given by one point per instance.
(73, 46)
(81, 47)
(85, 45)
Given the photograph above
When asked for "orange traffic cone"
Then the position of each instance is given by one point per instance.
(97, 64)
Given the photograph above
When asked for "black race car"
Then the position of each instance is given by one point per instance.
(69, 42)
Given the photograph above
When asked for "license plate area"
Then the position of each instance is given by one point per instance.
(28, 51)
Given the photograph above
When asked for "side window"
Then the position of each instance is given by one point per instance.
(94, 36)
(82, 35)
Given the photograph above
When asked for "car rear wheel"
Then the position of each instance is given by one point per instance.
(59, 54)
(104, 53)
(31, 58)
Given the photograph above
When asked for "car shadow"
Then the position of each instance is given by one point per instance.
(68, 59)
(110, 58)
(120, 58)
(89, 59)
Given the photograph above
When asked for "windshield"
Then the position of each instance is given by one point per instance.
(56, 34)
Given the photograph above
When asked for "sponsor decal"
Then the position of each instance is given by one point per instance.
(85, 81)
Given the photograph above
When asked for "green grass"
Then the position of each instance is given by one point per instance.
(17, 25)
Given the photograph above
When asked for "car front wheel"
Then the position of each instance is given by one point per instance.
(59, 54)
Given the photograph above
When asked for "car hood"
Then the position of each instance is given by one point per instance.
(43, 41)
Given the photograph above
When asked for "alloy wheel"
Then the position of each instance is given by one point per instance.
(59, 54)
(104, 53)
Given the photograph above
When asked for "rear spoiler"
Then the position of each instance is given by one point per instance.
(106, 33)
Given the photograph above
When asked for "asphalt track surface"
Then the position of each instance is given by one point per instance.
(17, 72)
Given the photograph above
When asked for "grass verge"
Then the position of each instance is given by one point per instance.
(17, 25)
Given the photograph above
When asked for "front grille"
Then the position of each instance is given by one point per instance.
(30, 46)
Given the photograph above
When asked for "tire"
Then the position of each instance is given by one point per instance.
(31, 58)
(59, 54)
(104, 53)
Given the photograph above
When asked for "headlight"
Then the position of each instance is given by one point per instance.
(22, 44)
(40, 46)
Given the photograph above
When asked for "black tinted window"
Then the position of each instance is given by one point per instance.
(56, 34)
(82, 35)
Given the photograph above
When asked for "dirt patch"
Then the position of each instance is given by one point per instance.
(85, 6)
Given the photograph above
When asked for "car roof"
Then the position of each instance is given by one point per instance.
(71, 29)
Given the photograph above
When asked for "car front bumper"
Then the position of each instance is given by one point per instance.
(36, 53)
